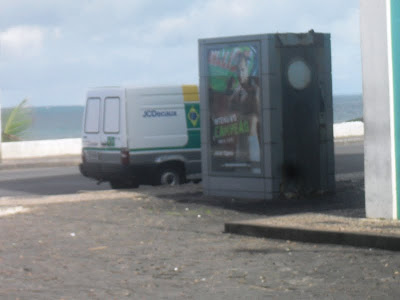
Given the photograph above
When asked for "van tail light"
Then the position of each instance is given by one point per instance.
(83, 157)
(125, 156)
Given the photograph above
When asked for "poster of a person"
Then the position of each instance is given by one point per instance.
(235, 108)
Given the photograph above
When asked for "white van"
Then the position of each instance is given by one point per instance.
(135, 136)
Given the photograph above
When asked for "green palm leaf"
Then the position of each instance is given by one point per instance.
(18, 120)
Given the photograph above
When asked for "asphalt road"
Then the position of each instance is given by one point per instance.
(46, 181)
(67, 180)
(349, 157)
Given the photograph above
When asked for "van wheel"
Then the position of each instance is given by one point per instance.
(117, 184)
(169, 176)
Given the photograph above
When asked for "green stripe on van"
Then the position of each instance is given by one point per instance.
(194, 139)
(102, 149)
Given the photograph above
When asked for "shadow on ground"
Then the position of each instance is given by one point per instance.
(348, 201)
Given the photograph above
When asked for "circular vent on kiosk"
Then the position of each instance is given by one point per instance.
(299, 74)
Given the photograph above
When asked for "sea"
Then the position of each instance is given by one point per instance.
(61, 122)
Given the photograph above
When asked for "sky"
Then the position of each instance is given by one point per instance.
(52, 51)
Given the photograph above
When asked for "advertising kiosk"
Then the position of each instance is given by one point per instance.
(266, 115)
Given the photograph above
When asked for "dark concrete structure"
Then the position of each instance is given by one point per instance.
(267, 118)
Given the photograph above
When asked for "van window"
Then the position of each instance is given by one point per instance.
(111, 115)
(92, 115)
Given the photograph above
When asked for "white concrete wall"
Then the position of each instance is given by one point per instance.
(348, 130)
(14, 150)
(31, 149)
(378, 114)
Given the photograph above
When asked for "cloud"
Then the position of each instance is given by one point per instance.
(21, 41)
(25, 41)
(237, 17)
(77, 44)
(216, 18)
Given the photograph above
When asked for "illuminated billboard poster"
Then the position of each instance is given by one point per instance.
(234, 101)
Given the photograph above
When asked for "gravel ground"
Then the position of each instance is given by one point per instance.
(167, 243)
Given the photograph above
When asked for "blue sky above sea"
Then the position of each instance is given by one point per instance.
(51, 52)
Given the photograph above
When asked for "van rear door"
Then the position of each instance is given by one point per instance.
(104, 130)
(112, 131)
(91, 128)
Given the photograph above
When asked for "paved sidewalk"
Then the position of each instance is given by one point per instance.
(40, 162)
(333, 219)
(321, 228)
